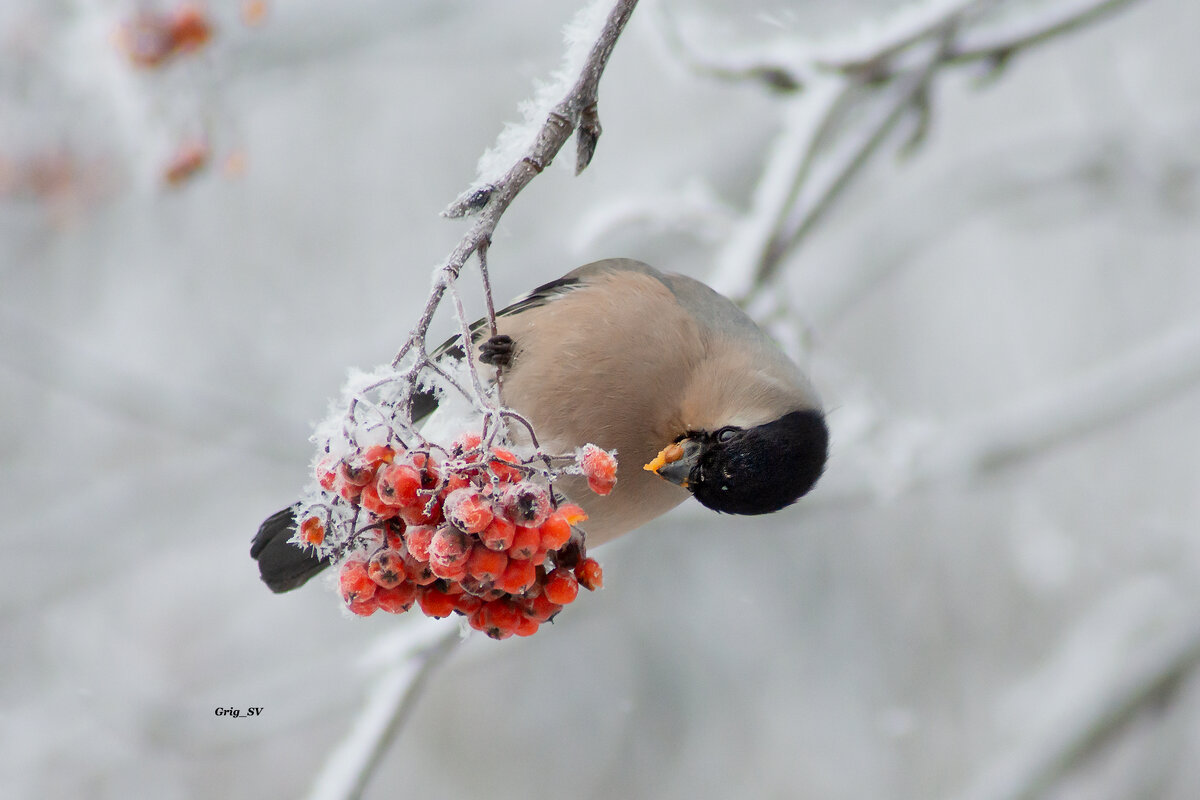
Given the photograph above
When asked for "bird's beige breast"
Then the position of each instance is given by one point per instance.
(607, 364)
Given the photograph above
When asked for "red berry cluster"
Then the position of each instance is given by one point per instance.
(470, 535)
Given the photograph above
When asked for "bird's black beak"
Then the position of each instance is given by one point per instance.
(676, 461)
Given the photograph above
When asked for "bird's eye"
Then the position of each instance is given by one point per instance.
(725, 434)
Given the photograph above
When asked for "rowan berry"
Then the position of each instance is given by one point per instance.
(363, 608)
(518, 575)
(356, 471)
(435, 603)
(190, 28)
(418, 571)
(427, 469)
(417, 539)
(466, 443)
(505, 472)
(454, 482)
(370, 500)
(526, 503)
(397, 599)
(526, 541)
(599, 467)
(541, 608)
(326, 473)
(560, 587)
(455, 571)
(386, 568)
(527, 626)
(346, 490)
(590, 574)
(499, 535)
(468, 510)
(486, 565)
(500, 618)
(398, 485)
(466, 603)
(378, 454)
(555, 531)
(354, 581)
(449, 546)
(312, 531)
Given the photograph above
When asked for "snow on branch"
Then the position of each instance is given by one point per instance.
(388, 706)
(845, 100)
(908, 454)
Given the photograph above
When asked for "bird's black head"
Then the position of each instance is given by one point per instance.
(758, 470)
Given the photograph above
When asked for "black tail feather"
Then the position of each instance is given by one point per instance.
(282, 565)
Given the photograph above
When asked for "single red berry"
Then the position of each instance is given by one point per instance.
(312, 531)
(427, 469)
(486, 565)
(500, 618)
(386, 568)
(499, 535)
(356, 471)
(418, 571)
(455, 571)
(526, 542)
(398, 485)
(363, 608)
(190, 28)
(454, 482)
(466, 603)
(370, 500)
(417, 538)
(572, 513)
(526, 503)
(347, 490)
(378, 454)
(354, 581)
(527, 626)
(449, 546)
(397, 599)
(435, 603)
(590, 574)
(417, 515)
(465, 443)
(561, 587)
(505, 472)
(518, 576)
(599, 467)
(326, 472)
(542, 609)
(468, 510)
(393, 536)
(556, 531)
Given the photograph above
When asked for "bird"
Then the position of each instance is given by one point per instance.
(694, 397)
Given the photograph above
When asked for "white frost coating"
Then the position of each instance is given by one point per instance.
(580, 34)
(694, 209)
(738, 260)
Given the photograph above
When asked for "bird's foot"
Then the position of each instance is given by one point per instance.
(498, 351)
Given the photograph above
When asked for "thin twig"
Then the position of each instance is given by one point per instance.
(895, 73)
(388, 707)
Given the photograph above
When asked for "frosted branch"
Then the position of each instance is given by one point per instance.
(921, 454)
(887, 76)
(1136, 665)
(389, 704)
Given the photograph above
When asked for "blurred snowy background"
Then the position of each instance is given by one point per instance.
(930, 623)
